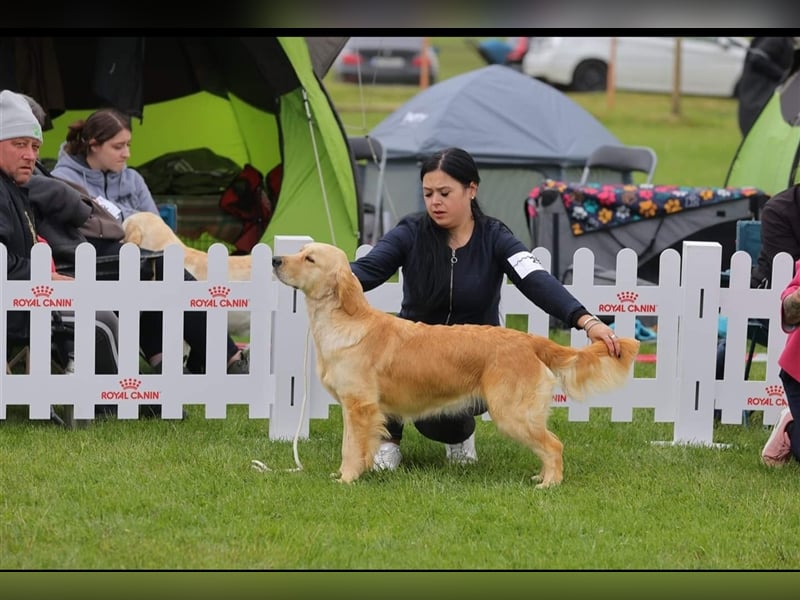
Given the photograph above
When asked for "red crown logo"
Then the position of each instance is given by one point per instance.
(217, 291)
(774, 390)
(42, 290)
(130, 383)
(627, 296)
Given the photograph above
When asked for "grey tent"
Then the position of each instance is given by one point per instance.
(519, 130)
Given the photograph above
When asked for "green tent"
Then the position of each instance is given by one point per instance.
(254, 99)
(768, 156)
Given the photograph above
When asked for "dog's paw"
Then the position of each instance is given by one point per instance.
(544, 482)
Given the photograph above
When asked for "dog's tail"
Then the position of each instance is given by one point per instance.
(591, 369)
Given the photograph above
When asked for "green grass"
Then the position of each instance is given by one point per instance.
(166, 495)
(181, 495)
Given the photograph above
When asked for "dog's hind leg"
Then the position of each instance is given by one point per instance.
(521, 414)
(363, 425)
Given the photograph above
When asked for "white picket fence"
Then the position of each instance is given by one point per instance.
(283, 388)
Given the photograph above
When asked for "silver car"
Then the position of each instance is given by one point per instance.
(385, 60)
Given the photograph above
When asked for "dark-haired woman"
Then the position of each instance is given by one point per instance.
(95, 156)
(453, 258)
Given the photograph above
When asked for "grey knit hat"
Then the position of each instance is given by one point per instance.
(16, 117)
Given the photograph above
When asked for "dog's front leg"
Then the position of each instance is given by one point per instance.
(363, 423)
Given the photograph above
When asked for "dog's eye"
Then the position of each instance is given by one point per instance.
(309, 259)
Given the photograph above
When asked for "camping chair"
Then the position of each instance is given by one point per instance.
(748, 238)
(63, 331)
(369, 150)
(169, 212)
(621, 159)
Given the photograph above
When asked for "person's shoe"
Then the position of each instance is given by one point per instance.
(463, 453)
(778, 449)
(387, 458)
(240, 366)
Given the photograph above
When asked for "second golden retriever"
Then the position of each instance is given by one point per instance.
(149, 231)
(377, 364)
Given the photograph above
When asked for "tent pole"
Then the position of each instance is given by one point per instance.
(319, 166)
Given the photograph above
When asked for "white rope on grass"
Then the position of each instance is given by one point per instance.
(262, 467)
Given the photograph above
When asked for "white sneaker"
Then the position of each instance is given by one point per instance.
(463, 453)
(387, 458)
(70, 367)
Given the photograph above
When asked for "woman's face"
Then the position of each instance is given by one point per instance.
(111, 155)
(447, 200)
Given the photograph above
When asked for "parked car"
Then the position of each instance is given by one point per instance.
(385, 60)
(710, 66)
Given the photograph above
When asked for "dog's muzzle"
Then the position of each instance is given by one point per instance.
(277, 261)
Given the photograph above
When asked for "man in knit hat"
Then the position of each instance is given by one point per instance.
(20, 140)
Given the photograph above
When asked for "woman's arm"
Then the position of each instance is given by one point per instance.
(142, 198)
(384, 259)
(548, 293)
(791, 309)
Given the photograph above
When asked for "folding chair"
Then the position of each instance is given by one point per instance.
(365, 149)
(748, 238)
(63, 328)
(623, 160)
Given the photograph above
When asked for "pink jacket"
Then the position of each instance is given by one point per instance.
(789, 360)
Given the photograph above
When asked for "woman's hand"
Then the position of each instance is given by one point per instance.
(597, 331)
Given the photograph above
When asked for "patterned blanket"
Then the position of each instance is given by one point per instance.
(597, 206)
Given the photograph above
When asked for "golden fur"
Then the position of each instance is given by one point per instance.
(376, 364)
(149, 231)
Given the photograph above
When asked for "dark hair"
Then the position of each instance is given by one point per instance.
(100, 126)
(430, 256)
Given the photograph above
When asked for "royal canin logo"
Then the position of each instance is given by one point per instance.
(219, 299)
(42, 291)
(219, 291)
(130, 383)
(773, 396)
(774, 390)
(627, 302)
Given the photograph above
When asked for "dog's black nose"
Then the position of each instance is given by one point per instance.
(276, 261)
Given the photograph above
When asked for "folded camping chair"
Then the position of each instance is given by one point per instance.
(368, 150)
(622, 160)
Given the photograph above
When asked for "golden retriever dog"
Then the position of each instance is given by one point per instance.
(376, 364)
(149, 231)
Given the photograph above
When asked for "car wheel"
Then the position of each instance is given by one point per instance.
(590, 76)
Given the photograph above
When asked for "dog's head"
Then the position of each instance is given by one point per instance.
(149, 231)
(321, 270)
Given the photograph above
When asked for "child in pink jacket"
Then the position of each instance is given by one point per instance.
(782, 445)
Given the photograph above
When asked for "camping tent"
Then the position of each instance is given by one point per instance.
(519, 130)
(251, 99)
(769, 154)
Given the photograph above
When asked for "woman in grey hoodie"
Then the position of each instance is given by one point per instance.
(95, 156)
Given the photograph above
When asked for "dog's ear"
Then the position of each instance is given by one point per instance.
(133, 233)
(349, 290)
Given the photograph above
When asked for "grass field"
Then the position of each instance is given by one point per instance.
(154, 495)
